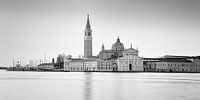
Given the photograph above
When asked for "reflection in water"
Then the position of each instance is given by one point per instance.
(88, 86)
(98, 86)
(118, 86)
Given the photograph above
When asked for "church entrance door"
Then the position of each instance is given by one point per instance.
(130, 67)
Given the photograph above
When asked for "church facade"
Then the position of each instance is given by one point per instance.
(130, 61)
(121, 59)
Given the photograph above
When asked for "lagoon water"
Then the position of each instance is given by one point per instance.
(98, 86)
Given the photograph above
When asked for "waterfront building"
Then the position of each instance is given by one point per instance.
(107, 57)
(74, 65)
(106, 65)
(119, 59)
(169, 66)
(46, 66)
(130, 61)
(90, 64)
(173, 64)
(195, 63)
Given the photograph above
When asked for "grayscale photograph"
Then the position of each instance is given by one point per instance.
(99, 49)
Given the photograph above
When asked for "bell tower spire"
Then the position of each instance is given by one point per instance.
(88, 39)
(88, 22)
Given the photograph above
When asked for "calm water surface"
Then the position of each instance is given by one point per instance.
(98, 86)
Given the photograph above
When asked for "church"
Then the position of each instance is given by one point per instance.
(115, 59)
(119, 59)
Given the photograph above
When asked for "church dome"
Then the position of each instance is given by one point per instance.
(118, 46)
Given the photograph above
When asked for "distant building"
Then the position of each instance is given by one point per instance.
(195, 63)
(74, 65)
(106, 65)
(31, 63)
(90, 64)
(46, 66)
(173, 64)
(169, 66)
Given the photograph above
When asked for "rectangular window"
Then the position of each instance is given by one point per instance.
(101, 63)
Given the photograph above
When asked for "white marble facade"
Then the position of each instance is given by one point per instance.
(130, 61)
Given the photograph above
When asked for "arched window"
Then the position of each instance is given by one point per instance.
(89, 34)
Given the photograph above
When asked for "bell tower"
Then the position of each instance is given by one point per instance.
(88, 40)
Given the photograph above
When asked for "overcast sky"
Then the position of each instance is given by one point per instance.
(28, 28)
